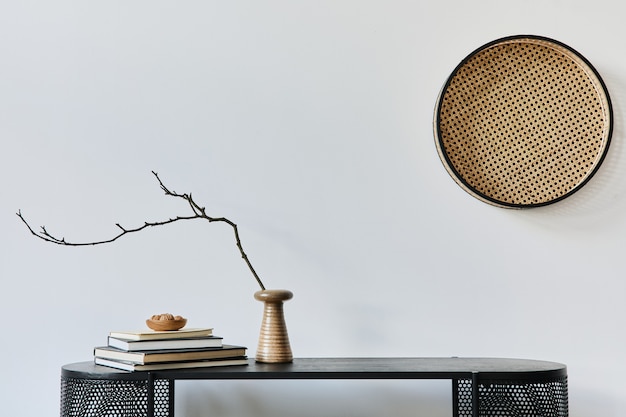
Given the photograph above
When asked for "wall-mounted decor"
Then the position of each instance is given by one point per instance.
(523, 121)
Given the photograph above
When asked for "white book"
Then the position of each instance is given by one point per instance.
(161, 335)
(128, 366)
(190, 343)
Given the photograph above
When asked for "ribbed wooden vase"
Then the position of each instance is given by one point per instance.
(274, 344)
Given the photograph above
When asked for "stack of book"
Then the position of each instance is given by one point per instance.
(151, 350)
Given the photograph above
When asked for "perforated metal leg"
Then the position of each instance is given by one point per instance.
(111, 398)
(513, 399)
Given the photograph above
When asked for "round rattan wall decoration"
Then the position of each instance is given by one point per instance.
(523, 121)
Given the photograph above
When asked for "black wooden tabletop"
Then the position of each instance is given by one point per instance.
(346, 368)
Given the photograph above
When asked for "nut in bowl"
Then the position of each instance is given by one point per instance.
(166, 322)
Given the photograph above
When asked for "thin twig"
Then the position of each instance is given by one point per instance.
(198, 213)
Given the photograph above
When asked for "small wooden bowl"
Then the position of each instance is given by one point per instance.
(166, 325)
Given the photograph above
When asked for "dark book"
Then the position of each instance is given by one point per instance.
(169, 355)
(129, 366)
(143, 345)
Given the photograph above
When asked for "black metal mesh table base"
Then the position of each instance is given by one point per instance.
(481, 387)
(113, 398)
(514, 399)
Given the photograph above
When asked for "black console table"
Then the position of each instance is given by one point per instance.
(482, 387)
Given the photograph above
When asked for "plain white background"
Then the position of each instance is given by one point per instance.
(309, 124)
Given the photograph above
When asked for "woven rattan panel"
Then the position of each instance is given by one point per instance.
(514, 399)
(112, 398)
(522, 122)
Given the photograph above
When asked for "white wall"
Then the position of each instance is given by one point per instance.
(310, 125)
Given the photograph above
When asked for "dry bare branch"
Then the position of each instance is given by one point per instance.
(198, 213)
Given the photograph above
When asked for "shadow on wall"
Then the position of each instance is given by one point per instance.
(314, 398)
(604, 196)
